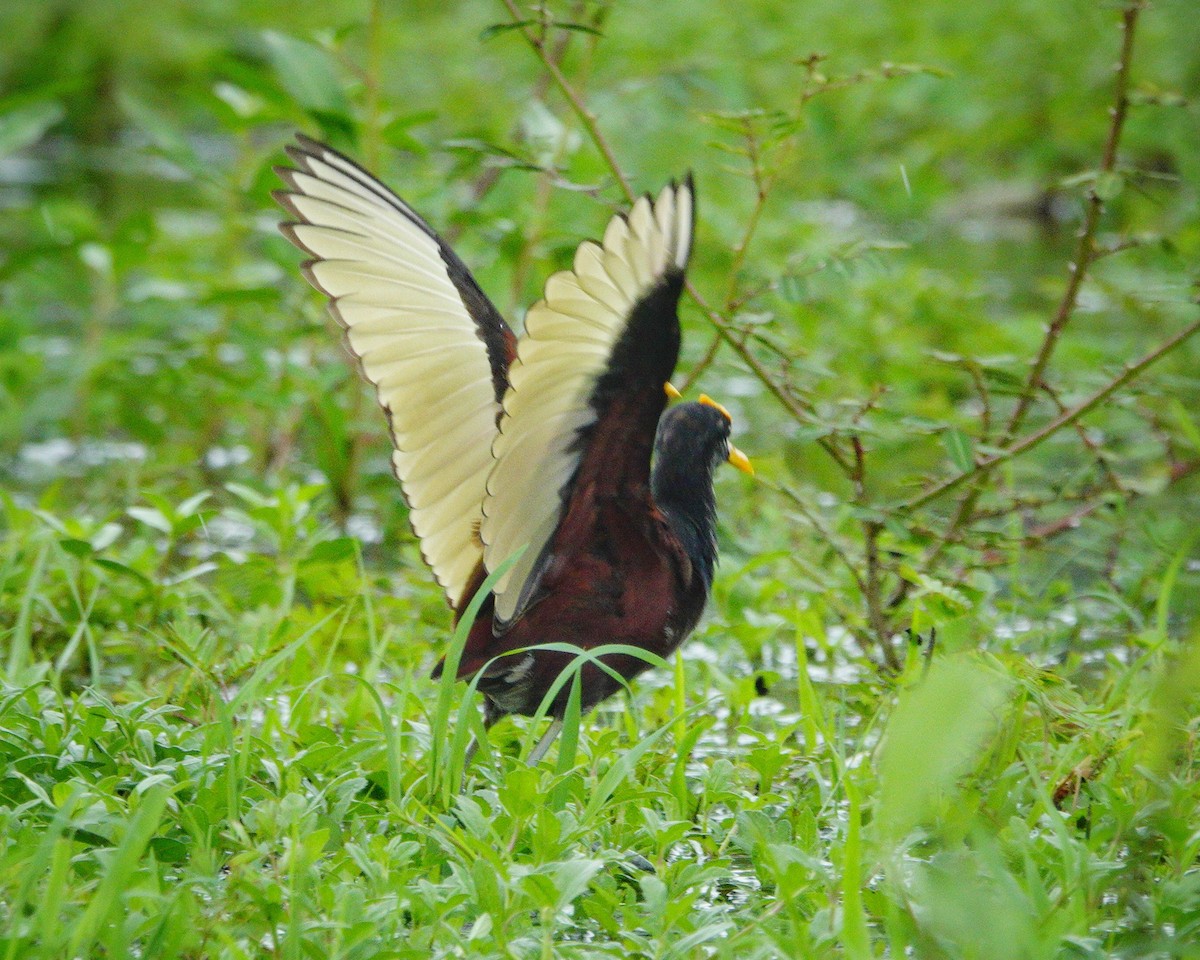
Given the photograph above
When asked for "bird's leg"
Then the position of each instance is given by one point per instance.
(470, 754)
(544, 744)
(490, 716)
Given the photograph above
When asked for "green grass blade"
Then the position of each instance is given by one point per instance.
(107, 898)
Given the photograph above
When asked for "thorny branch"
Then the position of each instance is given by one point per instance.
(586, 117)
(1085, 254)
(985, 465)
(1085, 251)
(871, 529)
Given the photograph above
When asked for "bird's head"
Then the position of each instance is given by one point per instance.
(693, 440)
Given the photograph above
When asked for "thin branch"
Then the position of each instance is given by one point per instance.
(1084, 255)
(1101, 460)
(702, 364)
(1053, 528)
(987, 464)
(1085, 250)
(489, 176)
(1026, 505)
(985, 401)
(724, 328)
(872, 595)
(827, 535)
(586, 117)
(776, 390)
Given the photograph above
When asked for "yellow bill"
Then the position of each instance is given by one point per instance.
(740, 460)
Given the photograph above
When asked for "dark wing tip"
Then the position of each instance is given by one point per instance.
(306, 270)
(288, 229)
(284, 199)
(305, 147)
(689, 182)
(283, 196)
(297, 156)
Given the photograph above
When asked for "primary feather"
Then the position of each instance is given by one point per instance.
(425, 335)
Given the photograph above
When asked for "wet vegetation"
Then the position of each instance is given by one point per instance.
(943, 703)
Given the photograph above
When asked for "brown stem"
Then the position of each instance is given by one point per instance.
(1101, 461)
(1085, 249)
(1085, 254)
(872, 594)
(726, 330)
(586, 117)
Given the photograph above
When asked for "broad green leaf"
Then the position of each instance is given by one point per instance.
(960, 447)
(25, 126)
(934, 736)
(75, 547)
(307, 72)
(151, 518)
(331, 551)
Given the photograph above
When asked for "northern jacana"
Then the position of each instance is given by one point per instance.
(543, 442)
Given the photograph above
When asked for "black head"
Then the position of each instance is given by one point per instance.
(692, 441)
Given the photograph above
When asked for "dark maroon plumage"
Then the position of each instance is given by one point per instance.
(632, 559)
(625, 555)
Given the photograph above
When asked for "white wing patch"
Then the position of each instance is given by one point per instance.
(406, 322)
(569, 338)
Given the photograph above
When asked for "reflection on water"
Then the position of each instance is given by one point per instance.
(58, 455)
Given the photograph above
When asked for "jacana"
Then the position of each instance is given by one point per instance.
(544, 442)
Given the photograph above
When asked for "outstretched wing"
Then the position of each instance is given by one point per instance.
(427, 337)
(615, 312)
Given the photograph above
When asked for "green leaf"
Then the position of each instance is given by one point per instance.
(151, 518)
(934, 736)
(1187, 424)
(793, 289)
(961, 449)
(189, 506)
(126, 571)
(107, 897)
(307, 73)
(25, 126)
(496, 29)
(164, 132)
(76, 548)
(396, 133)
(168, 850)
(331, 551)
(571, 879)
(1108, 185)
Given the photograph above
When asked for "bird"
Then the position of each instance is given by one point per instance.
(557, 447)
